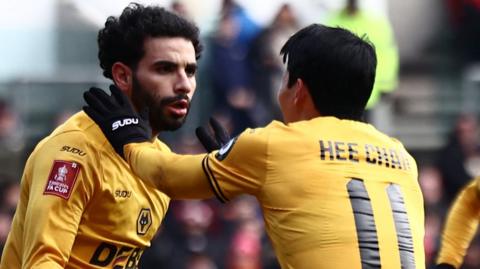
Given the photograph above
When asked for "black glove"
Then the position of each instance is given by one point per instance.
(117, 118)
(213, 141)
(444, 266)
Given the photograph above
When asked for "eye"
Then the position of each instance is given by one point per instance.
(166, 68)
(191, 70)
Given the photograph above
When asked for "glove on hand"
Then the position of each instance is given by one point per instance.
(444, 266)
(117, 118)
(213, 141)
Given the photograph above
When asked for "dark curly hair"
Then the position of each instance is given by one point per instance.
(122, 38)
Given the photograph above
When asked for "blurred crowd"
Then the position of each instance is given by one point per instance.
(239, 76)
(454, 166)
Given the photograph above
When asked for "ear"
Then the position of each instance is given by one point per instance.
(123, 77)
(301, 92)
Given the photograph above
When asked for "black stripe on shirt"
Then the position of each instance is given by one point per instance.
(365, 224)
(213, 182)
(402, 226)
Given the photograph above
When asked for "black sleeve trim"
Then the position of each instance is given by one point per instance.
(213, 182)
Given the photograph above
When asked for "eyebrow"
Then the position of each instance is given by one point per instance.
(192, 65)
(173, 64)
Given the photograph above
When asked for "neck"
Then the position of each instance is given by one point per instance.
(304, 114)
(310, 114)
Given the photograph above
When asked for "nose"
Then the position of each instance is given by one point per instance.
(184, 84)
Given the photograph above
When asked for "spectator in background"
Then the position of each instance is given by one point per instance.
(378, 30)
(432, 187)
(192, 229)
(232, 86)
(11, 140)
(433, 226)
(458, 160)
(199, 261)
(8, 122)
(245, 249)
(248, 29)
(5, 224)
(433, 194)
(229, 48)
(179, 8)
(267, 64)
(9, 194)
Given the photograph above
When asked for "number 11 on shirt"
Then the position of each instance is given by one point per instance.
(366, 228)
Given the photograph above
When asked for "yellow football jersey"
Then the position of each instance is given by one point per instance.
(334, 193)
(80, 205)
(461, 226)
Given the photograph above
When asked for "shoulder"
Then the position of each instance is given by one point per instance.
(265, 132)
(77, 138)
(263, 135)
(249, 143)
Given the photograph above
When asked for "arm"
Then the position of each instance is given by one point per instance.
(179, 176)
(460, 228)
(51, 216)
(239, 167)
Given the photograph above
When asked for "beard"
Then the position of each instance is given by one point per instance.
(159, 119)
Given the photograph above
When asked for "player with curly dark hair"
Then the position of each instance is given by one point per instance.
(81, 206)
(335, 192)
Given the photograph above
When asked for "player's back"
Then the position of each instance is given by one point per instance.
(340, 194)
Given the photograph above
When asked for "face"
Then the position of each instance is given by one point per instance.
(286, 99)
(164, 81)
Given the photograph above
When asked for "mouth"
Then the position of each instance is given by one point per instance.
(178, 108)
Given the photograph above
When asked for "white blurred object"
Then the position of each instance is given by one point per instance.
(97, 11)
(309, 11)
(31, 14)
(470, 90)
(206, 12)
(472, 165)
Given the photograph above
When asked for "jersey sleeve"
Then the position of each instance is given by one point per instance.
(240, 166)
(461, 225)
(60, 184)
(178, 176)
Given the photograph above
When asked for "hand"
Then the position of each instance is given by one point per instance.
(444, 266)
(117, 118)
(213, 141)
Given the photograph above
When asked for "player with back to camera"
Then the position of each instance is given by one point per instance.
(334, 191)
